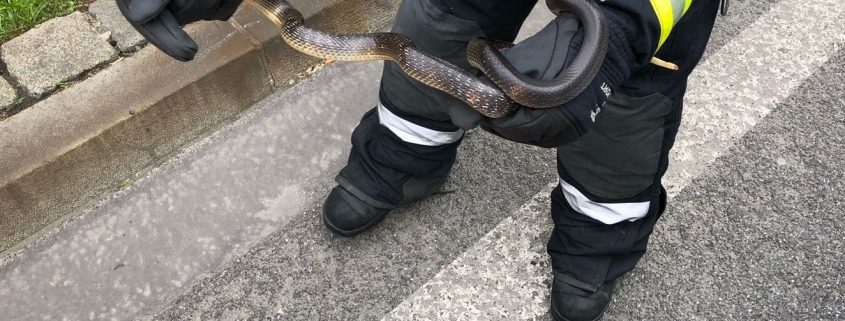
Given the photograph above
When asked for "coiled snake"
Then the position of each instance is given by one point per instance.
(509, 90)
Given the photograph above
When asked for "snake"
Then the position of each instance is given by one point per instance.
(506, 90)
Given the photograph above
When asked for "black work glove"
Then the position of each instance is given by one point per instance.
(161, 21)
(544, 56)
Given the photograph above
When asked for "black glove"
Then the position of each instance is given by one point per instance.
(544, 56)
(161, 21)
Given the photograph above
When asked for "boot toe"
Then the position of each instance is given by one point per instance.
(570, 303)
(577, 308)
(346, 215)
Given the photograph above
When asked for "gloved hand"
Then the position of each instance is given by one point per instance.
(161, 21)
(544, 56)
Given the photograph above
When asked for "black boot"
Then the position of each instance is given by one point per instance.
(346, 215)
(573, 300)
(383, 173)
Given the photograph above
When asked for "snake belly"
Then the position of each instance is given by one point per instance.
(490, 99)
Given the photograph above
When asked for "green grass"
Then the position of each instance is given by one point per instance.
(18, 16)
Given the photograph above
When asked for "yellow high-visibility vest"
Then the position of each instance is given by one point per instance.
(669, 12)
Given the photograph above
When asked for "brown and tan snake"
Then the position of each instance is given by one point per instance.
(509, 89)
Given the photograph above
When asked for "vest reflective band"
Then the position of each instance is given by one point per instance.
(669, 12)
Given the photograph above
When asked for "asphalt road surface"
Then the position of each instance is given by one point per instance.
(230, 229)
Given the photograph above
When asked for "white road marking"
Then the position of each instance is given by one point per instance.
(505, 275)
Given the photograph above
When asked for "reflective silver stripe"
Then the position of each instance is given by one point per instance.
(668, 13)
(607, 213)
(678, 9)
(413, 133)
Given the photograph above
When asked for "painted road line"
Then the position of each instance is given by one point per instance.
(505, 275)
(749, 78)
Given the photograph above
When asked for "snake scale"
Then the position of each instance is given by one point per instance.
(509, 88)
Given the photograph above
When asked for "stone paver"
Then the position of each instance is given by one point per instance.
(55, 51)
(122, 33)
(8, 96)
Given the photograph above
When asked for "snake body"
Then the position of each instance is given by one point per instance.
(509, 89)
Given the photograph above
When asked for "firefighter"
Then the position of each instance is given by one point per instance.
(612, 141)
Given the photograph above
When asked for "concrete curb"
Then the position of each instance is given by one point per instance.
(66, 152)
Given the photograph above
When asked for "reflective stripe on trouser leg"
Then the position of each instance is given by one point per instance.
(607, 213)
(413, 133)
(384, 170)
(593, 252)
(609, 197)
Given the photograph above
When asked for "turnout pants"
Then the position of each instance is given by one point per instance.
(609, 196)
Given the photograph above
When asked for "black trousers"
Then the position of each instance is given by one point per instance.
(610, 195)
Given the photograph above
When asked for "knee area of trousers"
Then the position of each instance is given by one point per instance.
(603, 211)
